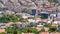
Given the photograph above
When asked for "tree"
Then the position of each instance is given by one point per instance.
(56, 1)
(11, 18)
(47, 25)
(24, 30)
(33, 30)
(14, 26)
(29, 30)
(22, 19)
(15, 32)
(52, 29)
(10, 30)
(43, 17)
(8, 18)
(50, 0)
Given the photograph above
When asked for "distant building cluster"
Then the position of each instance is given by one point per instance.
(50, 10)
(36, 11)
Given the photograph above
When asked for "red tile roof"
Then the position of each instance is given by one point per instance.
(44, 33)
(2, 30)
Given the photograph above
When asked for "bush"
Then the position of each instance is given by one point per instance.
(2, 33)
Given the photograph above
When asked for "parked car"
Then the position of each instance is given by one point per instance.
(3, 25)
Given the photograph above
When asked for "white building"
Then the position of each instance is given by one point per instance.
(25, 15)
(31, 20)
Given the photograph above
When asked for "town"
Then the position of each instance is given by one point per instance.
(29, 16)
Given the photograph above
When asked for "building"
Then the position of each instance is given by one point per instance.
(44, 14)
(33, 12)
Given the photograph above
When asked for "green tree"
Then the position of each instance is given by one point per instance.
(11, 30)
(29, 30)
(56, 1)
(14, 26)
(52, 29)
(50, 0)
(8, 18)
(24, 30)
(43, 17)
(47, 25)
(33, 30)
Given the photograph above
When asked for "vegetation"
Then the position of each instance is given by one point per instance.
(33, 30)
(11, 30)
(56, 1)
(19, 32)
(43, 17)
(27, 30)
(2, 33)
(47, 25)
(58, 30)
(11, 18)
(50, 0)
(24, 30)
(8, 18)
(52, 29)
